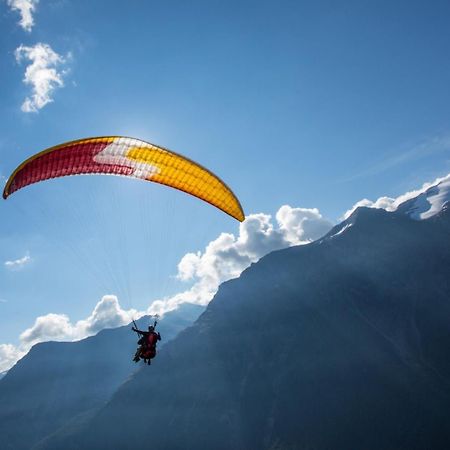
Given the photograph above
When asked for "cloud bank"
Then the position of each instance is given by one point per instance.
(26, 9)
(228, 255)
(222, 259)
(41, 74)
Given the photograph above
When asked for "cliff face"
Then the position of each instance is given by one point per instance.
(56, 382)
(342, 343)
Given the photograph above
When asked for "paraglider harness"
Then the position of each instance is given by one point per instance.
(147, 343)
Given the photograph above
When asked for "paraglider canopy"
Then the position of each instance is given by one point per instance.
(125, 156)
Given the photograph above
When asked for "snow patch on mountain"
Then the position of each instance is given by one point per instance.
(428, 203)
(345, 226)
(419, 204)
(348, 225)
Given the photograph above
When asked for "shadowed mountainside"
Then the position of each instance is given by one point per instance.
(342, 344)
(59, 382)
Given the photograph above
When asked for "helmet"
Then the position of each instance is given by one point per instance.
(151, 328)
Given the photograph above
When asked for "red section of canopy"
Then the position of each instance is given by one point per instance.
(74, 159)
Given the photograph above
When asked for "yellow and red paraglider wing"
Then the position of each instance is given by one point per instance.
(130, 157)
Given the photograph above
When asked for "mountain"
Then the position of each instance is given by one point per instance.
(61, 382)
(3, 374)
(431, 202)
(338, 344)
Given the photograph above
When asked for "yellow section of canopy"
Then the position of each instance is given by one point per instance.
(183, 174)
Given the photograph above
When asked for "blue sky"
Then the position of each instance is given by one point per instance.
(308, 104)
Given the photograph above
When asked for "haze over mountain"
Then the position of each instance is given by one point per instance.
(59, 382)
(341, 343)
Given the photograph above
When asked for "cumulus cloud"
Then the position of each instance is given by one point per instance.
(18, 264)
(9, 355)
(51, 327)
(26, 9)
(41, 74)
(228, 255)
(392, 203)
(58, 327)
(302, 225)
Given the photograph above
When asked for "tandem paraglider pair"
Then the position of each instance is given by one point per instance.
(127, 157)
(147, 343)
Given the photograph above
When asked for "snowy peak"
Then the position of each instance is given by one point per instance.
(431, 200)
(362, 216)
(429, 203)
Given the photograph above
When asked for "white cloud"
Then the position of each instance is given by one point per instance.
(301, 225)
(26, 9)
(227, 256)
(58, 327)
(42, 74)
(9, 355)
(18, 264)
(391, 204)
(48, 328)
